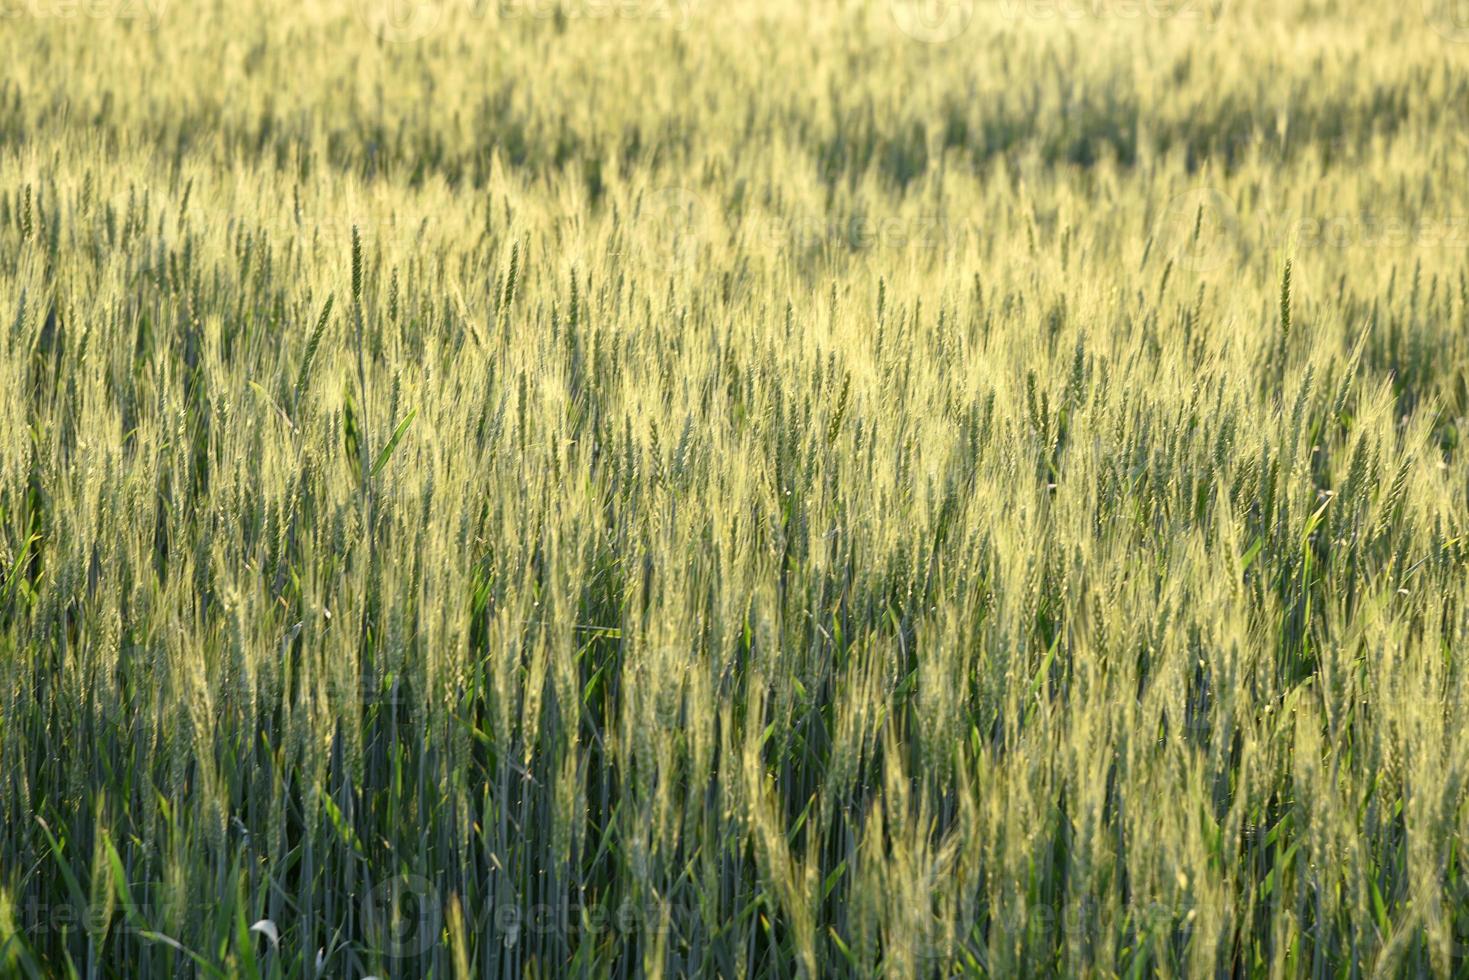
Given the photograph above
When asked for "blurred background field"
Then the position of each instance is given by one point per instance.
(672, 488)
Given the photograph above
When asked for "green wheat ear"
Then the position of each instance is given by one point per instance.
(507, 296)
(356, 265)
(1285, 310)
(25, 216)
(311, 347)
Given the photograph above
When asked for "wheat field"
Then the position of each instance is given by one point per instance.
(672, 488)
